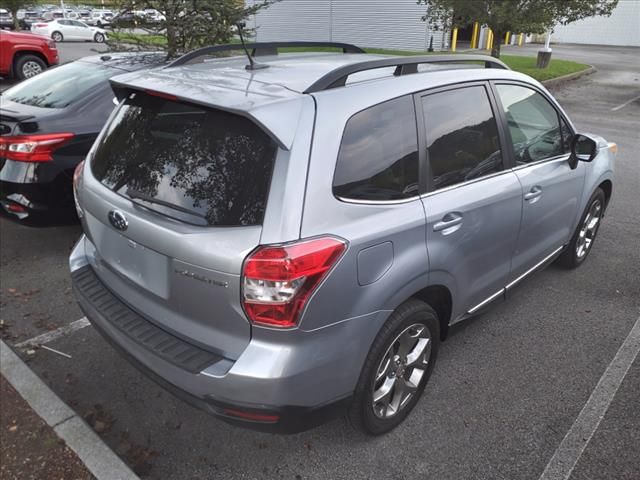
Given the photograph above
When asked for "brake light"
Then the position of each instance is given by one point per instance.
(278, 280)
(166, 96)
(39, 25)
(32, 148)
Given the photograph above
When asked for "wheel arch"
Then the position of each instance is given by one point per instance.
(22, 53)
(607, 188)
(440, 299)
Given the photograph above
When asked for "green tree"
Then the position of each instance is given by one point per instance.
(502, 16)
(187, 24)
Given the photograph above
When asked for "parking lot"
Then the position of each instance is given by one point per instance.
(508, 387)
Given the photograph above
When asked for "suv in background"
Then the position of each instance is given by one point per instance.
(6, 19)
(25, 55)
(284, 241)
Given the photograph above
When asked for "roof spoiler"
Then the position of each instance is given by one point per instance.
(268, 116)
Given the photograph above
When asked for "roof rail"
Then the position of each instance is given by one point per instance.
(260, 49)
(404, 66)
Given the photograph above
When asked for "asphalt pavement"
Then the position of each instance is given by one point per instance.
(508, 389)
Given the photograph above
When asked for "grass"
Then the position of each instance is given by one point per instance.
(135, 38)
(526, 65)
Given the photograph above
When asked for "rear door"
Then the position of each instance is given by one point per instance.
(174, 203)
(473, 206)
(540, 139)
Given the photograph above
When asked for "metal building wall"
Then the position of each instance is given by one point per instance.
(621, 28)
(393, 24)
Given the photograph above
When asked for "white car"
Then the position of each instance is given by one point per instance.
(66, 29)
(100, 18)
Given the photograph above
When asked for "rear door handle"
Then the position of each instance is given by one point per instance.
(533, 194)
(451, 219)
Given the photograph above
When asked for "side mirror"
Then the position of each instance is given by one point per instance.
(583, 149)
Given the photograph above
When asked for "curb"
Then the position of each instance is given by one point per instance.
(99, 459)
(552, 82)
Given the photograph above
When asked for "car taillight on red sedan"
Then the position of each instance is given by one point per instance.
(32, 148)
(278, 280)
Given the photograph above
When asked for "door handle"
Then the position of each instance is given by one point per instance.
(533, 194)
(448, 221)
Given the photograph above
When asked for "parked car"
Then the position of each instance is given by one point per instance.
(6, 19)
(100, 18)
(52, 15)
(283, 242)
(47, 125)
(25, 55)
(151, 15)
(30, 16)
(65, 29)
(128, 18)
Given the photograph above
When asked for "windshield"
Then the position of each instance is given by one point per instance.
(61, 86)
(191, 163)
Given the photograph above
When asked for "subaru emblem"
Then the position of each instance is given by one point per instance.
(118, 220)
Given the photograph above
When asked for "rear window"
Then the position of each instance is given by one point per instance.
(195, 164)
(61, 86)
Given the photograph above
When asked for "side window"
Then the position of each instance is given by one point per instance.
(462, 136)
(534, 124)
(378, 157)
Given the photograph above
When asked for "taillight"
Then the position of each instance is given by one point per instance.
(278, 280)
(32, 148)
(77, 177)
(39, 25)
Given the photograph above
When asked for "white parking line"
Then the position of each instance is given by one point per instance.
(619, 107)
(54, 334)
(577, 438)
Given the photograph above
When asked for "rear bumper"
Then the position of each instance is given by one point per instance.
(31, 196)
(266, 381)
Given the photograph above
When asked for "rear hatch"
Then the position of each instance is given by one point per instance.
(173, 202)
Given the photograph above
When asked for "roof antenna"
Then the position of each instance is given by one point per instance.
(252, 64)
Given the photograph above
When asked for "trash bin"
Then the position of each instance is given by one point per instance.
(544, 57)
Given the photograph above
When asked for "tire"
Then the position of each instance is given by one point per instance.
(99, 24)
(99, 38)
(585, 235)
(28, 66)
(388, 363)
(57, 37)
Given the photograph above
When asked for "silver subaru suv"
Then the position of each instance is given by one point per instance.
(286, 238)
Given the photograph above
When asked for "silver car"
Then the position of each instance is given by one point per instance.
(288, 238)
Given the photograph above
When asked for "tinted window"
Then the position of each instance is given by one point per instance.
(533, 123)
(198, 165)
(61, 86)
(462, 136)
(378, 158)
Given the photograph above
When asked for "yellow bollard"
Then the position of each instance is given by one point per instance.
(454, 39)
(520, 39)
(489, 39)
(474, 35)
(507, 37)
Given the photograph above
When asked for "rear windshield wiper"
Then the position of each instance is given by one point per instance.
(133, 194)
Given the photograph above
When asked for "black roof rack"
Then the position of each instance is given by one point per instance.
(261, 49)
(404, 66)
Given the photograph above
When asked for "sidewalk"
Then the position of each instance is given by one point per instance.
(42, 437)
(29, 448)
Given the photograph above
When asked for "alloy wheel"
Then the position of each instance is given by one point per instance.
(589, 229)
(401, 370)
(31, 69)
